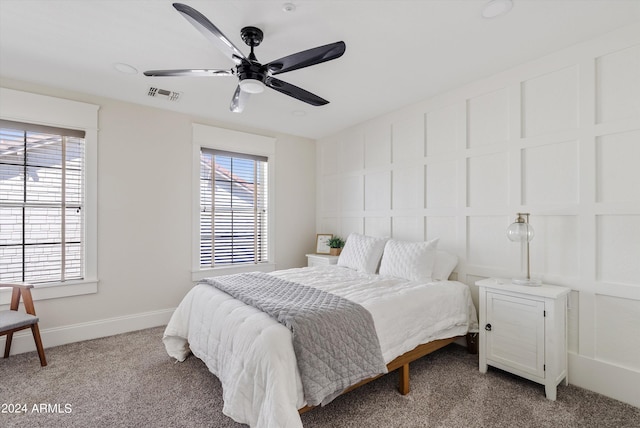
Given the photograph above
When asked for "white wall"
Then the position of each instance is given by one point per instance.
(559, 138)
(144, 220)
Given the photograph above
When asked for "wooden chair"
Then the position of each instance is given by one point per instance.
(13, 320)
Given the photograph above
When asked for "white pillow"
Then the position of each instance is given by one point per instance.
(409, 260)
(362, 253)
(444, 265)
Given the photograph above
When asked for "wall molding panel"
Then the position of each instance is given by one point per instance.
(559, 138)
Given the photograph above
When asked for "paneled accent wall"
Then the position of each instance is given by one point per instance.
(558, 138)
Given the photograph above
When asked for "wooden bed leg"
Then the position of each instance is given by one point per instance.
(404, 379)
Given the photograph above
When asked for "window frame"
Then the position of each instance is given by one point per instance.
(39, 109)
(213, 138)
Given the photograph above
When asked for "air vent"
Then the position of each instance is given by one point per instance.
(164, 93)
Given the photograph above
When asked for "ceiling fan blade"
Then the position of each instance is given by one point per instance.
(307, 58)
(189, 72)
(239, 100)
(295, 92)
(210, 31)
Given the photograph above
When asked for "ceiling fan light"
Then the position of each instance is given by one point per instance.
(252, 86)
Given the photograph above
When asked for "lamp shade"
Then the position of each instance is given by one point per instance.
(520, 231)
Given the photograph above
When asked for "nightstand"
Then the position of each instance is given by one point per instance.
(523, 330)
(321, 259)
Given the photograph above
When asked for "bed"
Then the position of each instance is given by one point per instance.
(414, 312)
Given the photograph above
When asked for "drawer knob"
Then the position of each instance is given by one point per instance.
(487, 327)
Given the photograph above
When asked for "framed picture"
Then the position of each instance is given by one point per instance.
(322, 243)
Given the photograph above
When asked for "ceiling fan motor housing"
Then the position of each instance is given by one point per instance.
(251, 70)
(252, 76)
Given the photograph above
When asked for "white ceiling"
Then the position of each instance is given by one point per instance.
(398, 52)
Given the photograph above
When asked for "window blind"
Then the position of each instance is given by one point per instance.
(41, 203)
(234, 211)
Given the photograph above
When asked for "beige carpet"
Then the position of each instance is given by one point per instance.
(129, 381)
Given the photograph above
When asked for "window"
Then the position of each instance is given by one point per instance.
(41, 203)
(26, 107)
(233, 208)
(237, 235)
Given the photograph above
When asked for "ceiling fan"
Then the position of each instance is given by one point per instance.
(253, 76)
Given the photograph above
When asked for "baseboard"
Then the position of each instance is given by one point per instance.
(23, 341)
(604, 378)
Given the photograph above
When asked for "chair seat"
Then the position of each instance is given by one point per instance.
(10, 320)
(14, 320)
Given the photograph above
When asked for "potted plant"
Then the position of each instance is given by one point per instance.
(335, 244)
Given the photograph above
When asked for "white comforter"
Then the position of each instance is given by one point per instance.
(252, 354)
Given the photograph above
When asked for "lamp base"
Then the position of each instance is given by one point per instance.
(531, 282)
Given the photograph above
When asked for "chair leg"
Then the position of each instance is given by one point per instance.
(7, 346)
(36, 337)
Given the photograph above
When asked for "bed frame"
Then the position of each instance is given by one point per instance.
(403, 361)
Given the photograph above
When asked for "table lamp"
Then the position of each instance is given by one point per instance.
(522, 231)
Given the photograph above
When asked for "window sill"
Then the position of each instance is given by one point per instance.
(55, 290)
(229, 270)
